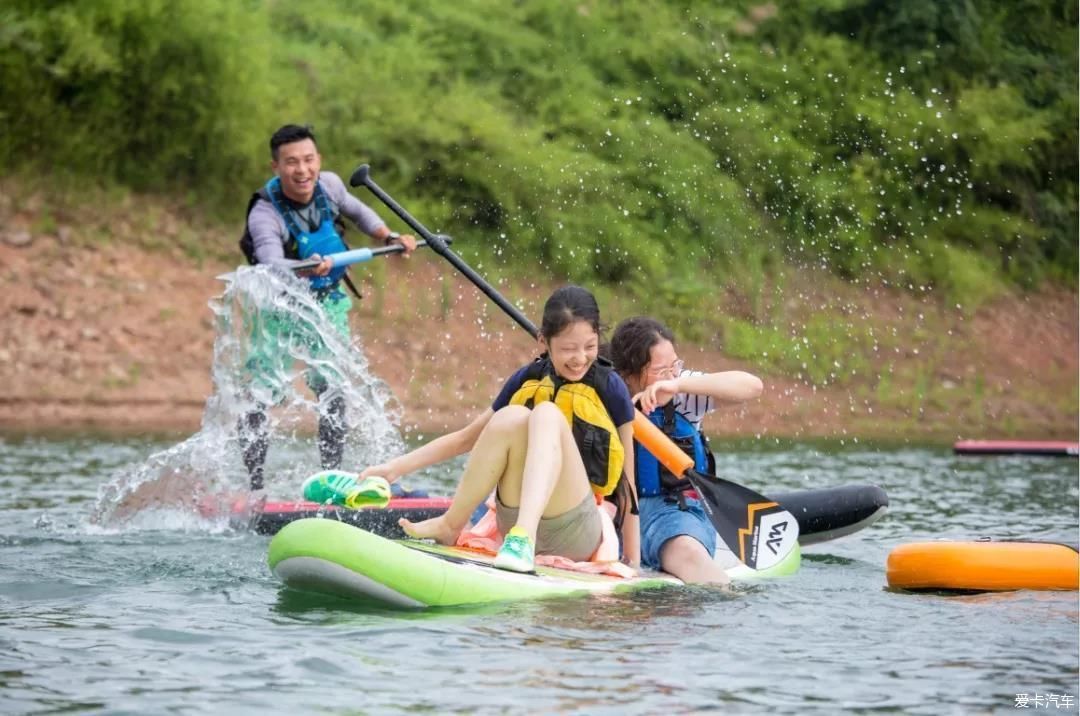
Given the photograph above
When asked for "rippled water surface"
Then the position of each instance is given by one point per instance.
(168, 613)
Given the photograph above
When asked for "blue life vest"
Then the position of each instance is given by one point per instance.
(655, 479)
(324, 240)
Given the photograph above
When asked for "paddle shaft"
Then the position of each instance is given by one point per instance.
(356, 256)
(363, 176)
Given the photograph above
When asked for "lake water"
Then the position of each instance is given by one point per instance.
(166, 613)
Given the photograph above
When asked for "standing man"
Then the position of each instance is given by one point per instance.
(296, 216)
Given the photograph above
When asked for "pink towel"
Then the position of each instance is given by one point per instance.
(484, 536)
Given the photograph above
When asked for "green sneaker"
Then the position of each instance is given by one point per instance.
(334, 487)
(516, 553)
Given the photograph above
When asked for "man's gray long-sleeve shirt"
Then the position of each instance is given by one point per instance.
(269, 232)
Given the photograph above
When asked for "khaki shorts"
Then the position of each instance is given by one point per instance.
(575, 534)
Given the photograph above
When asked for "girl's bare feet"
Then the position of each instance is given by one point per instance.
(437, 528)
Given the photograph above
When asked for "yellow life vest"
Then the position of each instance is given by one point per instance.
(594, 432)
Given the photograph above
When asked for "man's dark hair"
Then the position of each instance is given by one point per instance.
(288, 134)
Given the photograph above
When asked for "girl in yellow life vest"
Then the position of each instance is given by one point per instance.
(550, 445)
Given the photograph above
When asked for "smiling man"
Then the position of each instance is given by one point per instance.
(297, 216)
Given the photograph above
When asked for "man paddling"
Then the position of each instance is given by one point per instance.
(297, 216)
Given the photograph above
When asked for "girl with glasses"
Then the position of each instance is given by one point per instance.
(676, 534)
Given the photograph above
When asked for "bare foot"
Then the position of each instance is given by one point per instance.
(437, 528)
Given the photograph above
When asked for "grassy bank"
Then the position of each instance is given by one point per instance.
(108, 328)
(802, 322)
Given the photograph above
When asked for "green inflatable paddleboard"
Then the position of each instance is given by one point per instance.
(331, 557)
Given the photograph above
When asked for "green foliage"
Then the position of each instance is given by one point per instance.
(150, 93)
(947, 110)
(820, 350)
(664, 147)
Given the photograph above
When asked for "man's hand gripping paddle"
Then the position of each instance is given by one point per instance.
(358, 256)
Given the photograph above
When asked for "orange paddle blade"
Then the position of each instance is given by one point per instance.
(660, 445)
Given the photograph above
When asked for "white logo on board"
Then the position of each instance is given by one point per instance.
(775, 536)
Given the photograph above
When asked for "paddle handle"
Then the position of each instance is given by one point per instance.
(661, 446)
(362, 177)
(358, 256)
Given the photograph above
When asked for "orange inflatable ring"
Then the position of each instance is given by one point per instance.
(983, 566)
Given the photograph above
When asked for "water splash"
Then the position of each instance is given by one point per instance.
(204, 474)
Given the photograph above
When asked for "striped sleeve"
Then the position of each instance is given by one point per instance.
(694, 407)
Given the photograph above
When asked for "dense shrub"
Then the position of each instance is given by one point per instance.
(664, 146)
(150, 93)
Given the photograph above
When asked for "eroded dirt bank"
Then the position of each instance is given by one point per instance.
(120, 340)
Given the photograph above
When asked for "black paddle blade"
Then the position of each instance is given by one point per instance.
(758, 530)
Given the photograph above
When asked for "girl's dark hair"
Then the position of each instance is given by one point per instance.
(632, 341)
(568, 305)
(288, 134)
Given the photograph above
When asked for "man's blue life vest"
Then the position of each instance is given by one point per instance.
(324, 240)
(655, 479)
